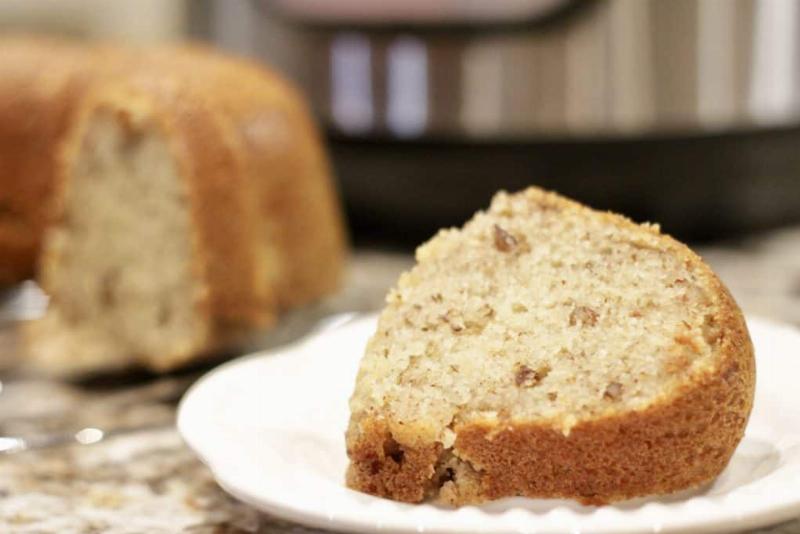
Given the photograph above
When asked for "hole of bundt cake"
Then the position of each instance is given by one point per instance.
(393, 450)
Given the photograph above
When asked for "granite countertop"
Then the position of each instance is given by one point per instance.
(142, 478)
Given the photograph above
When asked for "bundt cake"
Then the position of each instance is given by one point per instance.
(189, 202)
(549, 350)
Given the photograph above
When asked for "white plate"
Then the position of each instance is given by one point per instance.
(271, 428)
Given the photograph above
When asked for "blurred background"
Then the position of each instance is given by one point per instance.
(684, 112)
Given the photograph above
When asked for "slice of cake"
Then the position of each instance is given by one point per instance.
(549, 350)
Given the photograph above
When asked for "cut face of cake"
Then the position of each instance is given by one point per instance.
(549, 350)
(121, 266)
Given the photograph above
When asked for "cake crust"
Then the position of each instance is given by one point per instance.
(42, 81)
(682, 440)
(284, 164)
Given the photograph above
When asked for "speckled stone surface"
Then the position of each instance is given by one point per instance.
(141, 478)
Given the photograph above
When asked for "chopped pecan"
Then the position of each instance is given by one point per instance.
(613, 391)
(583, 315)
(503, 241)
(527, 377)
(455, 320)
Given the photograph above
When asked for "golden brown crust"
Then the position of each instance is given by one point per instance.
(682, 441)
(41, 81)
(381, 466)
(285, 164)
